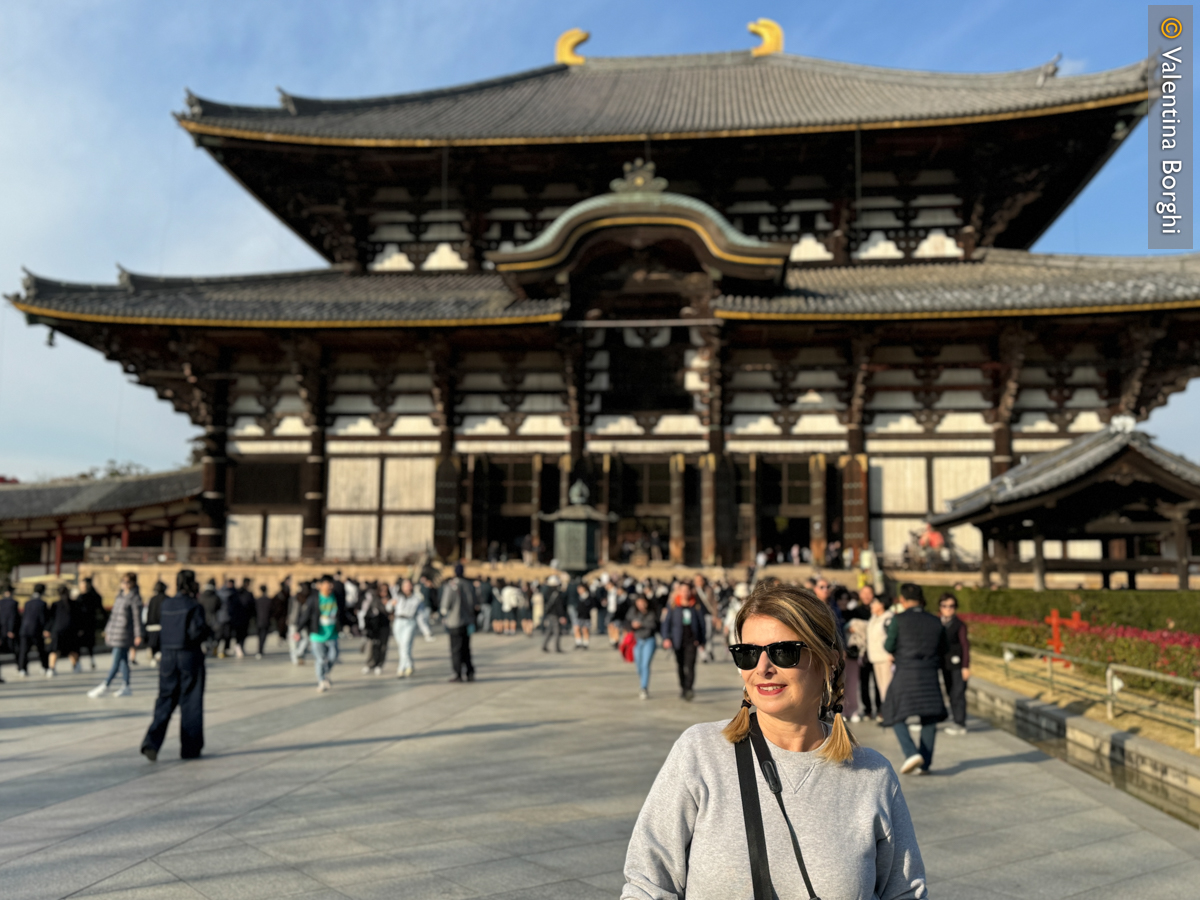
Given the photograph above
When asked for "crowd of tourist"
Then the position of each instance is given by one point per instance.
(689, 617)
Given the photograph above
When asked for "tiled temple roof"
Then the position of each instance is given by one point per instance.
(319, 298)
(996, 283)
(65, 498)
(699, 95)
(1050, 471)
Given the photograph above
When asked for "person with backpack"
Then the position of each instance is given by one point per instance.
(180, 671)
(459, 608)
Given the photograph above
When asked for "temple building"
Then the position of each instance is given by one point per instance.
(750, 299)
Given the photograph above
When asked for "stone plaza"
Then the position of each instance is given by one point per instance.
(525, 784)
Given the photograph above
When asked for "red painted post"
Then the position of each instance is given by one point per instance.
(58, 553)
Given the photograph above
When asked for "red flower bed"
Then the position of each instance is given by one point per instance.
(1169, 652)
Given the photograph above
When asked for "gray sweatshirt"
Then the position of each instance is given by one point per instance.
(851, 820)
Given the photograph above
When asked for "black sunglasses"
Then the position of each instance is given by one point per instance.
(782, 654)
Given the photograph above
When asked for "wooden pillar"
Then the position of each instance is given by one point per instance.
(58, 551)
(124, 532)
(1003, 551)
(314, 472)
(214, 470)
(535, 522)
(818, 537)
(752, 533)
(1001, 448)
(855, 532)
(603, 506)
(565, 463)
(708, 510)
(1039, 563)
(468, 513)
(1183, 549)
(677, 540)
(985, 562)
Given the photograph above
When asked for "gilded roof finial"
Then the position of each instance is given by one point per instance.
(639, 178)
(564, 48)
(771, 34)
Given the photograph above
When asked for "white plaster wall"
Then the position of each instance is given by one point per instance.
(346, 535)
(243, 535)
(407, 535)
(284, 534)
(408, 483)
(898, 485)
(353, 484)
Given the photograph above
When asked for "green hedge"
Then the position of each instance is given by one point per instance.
(1151, 610)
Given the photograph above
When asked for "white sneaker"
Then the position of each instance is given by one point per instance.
(643, 695)
(379, 670)
(856, 718)
(49, 673)
(366, 670)
(22, 674)
(323, 687)
(98, 691)
(124, 691)
(956, 730)
(913, 762)
(258, 656)
(429, 639)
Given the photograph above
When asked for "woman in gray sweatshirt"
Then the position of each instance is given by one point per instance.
(844, 801)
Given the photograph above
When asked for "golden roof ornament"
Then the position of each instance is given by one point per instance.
(564, 47)
(639, 178)
(771, 34)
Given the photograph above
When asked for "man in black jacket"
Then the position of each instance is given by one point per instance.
(181, 671)
(32, 633)
(10, 623)
(554, 616)
(918, 644)
(956, 667)
(91, 619)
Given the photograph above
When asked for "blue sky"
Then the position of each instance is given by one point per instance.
(97, 173)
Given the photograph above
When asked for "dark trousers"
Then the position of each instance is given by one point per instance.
(685, 661)
(29, 642)
(224, 636)
(868, 687)
(263, 631)
(180, 683)
(378, 652)
(554, 629)
(956, 689)
(460, 652)
(928, 736)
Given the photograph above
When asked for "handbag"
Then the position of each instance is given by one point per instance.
(626, 646)
(760, 869)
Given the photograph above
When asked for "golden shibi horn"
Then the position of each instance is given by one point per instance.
(770, 32)
(564, 47)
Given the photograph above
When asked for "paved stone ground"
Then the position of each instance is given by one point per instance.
(522, 785)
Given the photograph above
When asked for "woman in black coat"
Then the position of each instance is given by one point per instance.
(63, 625)
(917, 641)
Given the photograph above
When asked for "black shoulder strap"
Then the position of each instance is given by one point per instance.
(760, 869)
(775, 784)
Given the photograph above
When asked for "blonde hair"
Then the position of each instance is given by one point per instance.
(814, 623)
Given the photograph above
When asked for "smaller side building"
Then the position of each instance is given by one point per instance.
(57, 522)
(1126, 504)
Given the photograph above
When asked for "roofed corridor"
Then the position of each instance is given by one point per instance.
(522, 785)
